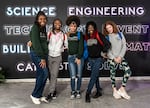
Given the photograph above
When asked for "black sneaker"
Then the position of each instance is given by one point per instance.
(98, 94)
(49, 97)
(54, 95)
(87, 97)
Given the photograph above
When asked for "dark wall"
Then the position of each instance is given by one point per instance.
(17, 17)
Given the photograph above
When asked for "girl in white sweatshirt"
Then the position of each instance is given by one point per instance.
(116, 56)
(57, 43)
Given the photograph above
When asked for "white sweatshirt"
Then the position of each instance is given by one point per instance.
(57, 43)
(118, 46)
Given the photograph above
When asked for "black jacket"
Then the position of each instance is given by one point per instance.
(95, 47)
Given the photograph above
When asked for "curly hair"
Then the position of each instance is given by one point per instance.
(115, 29)
(90, 23)
(72, 19)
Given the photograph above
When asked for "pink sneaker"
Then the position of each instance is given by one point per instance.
(124, 94)
(116, 95)
(43, 99)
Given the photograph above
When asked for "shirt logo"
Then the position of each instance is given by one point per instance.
(91, 42)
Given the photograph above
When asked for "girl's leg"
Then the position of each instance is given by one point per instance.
(99, 89)
(79, 77)
(54, 72)
(79, 74)
(113, 81)
(72, 70)
(41, 77)
(54, 63)
(127, 74)
(112, 73)
(95, 65)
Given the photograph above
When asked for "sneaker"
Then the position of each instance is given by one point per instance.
(43, 99)
(124, 94)
(78, 95)
(73, 95)
(98, 94)
(54, 95)
(49, 97)
(35, 100)
(87, 98)
(116, 95)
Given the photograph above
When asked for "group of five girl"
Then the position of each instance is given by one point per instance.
(47, 48)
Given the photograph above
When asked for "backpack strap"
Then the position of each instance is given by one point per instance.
(120, 35)
(64, 37)
(107, 37)
(78, 34)
(99, 40)
(49, 35)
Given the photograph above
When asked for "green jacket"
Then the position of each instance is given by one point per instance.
(39, 42)
(75, 45)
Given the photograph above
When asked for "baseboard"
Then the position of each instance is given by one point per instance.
(84, 79)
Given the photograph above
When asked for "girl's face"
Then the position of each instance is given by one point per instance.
(109, 28)
(73, 27)
(57, 25)
(90, 29)
(42, 20)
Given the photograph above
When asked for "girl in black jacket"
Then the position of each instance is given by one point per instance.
(96, 44)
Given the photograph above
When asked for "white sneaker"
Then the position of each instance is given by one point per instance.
(43, 99)
(116, 95)
(78, 96)
(35, 100)
(73, 95)
(124, 94)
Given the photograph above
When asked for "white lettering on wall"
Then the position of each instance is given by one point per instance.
(30, 11)
(15, 49)
(106, 11)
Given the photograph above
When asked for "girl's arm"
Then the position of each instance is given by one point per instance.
(65, 42)
(35, 38)
(123, 49)
(81, 46)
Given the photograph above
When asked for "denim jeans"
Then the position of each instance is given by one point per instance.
(94, 78)
(41, 76)
(75, 71)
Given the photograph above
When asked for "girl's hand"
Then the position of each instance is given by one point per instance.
(29, 43)
(42, 63)
(78, 61)
(118, 60)
(68, 33)
(104, 55)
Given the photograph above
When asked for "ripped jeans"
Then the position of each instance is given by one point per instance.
(75, 72)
